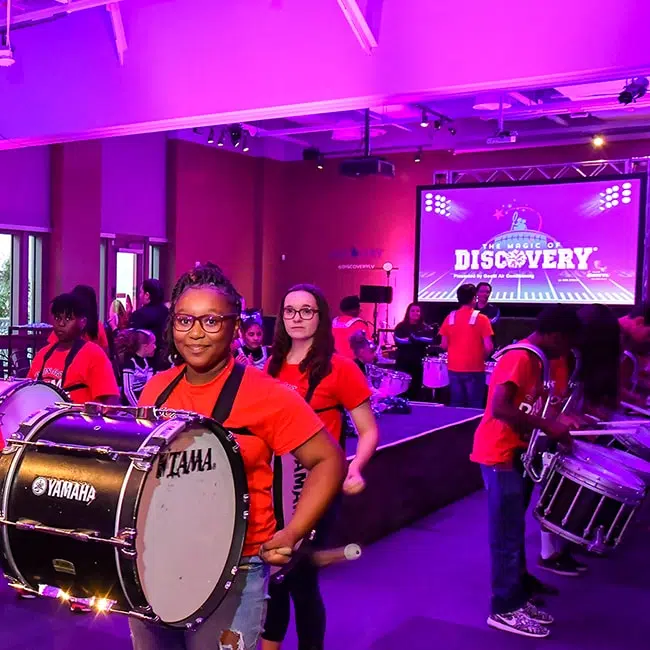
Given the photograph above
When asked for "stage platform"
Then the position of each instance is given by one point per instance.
(421, 465)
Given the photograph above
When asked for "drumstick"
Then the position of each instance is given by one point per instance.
(598, 432)
(325, 557)
(636, 409)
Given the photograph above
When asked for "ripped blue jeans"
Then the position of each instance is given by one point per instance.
(242, 611)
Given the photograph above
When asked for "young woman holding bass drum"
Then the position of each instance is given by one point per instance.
(268, 419)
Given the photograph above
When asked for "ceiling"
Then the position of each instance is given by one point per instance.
(540, 117)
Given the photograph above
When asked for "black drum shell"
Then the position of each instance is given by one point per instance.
(56, 560)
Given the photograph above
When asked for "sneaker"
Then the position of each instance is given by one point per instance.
(537, 614)
(559, 564)
(569, 560)
(518, 622)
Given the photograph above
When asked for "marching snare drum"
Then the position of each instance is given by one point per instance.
(435, 373)
(389, 383)
(635, 441)
(588, 504)
(19, 398)
(141, 515)
(595, 454)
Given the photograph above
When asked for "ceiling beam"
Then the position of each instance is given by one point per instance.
(358, 21)
(56, 10)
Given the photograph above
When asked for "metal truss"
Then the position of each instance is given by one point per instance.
(555, 171)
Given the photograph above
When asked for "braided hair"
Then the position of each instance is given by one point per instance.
(318, 361)
(202, 275)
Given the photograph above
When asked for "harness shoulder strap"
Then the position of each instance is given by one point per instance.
(164, 396)
(452, 318)
(74, 350)
(226, 399)
(474, 317)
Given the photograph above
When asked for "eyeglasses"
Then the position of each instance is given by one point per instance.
(210, 323)
(306, 313)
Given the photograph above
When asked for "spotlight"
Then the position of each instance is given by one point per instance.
(211, 136)
(634, 90)
(424, 122)
(221, 140)
(437, 125)
(320, 165)
(452, 130)
(418, 156)
(236, 134)
(196, 130)
(388, 267)
(598, 141)
(246, 146)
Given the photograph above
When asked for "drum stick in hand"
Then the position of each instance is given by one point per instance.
(325, 557)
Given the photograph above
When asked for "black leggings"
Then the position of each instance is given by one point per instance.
(301, 586)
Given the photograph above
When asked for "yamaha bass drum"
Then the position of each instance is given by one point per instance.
(136, 511)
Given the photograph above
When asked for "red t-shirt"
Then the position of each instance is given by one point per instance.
(495, 441)
(345, 386)
(102, 339)
(466, 352)
(279, 419)
(343, 327)
(90, 367)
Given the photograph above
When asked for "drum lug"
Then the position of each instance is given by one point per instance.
(127, 536)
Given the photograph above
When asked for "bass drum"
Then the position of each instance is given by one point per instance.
(589, 504)
(20, 398)
(135, 513)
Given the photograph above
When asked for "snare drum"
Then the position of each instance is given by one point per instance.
(435, 374)
(141, 515)
(389, 383)
(19, 398)
(587, 504)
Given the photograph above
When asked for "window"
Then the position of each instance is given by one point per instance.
(6, 281)
(127, 276)
(154, 262)
(34, 279)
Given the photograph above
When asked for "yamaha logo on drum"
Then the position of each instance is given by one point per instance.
(176, 463)
(61, 489)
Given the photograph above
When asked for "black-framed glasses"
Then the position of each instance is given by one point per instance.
(306, 313)
(210, 323)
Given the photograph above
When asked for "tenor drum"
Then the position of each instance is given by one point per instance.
(596, 453)
(141, 515)
(19, 398)
(589, 504)
(636, 441)
(389, 383)
(435, 373)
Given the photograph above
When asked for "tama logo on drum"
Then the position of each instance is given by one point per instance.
(176, 463)
(62, 489)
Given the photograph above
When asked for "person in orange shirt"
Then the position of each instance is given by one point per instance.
(303, 357)
(94, 330)
(79, 367)
(467, 338)
(267, 418)
(345, 326)
(515, 399)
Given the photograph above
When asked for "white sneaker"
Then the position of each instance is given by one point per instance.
(518, 622)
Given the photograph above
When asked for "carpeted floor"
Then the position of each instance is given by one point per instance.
(423, 588)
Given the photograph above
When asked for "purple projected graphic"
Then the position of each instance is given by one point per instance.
(566, 242)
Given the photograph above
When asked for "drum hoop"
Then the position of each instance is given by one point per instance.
(50, 414)
(19, 384)
(620, 493)
(242, 505)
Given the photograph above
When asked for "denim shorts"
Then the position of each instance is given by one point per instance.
(243, 611)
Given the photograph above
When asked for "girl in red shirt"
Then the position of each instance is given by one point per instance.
(303, 357)
(268, 419)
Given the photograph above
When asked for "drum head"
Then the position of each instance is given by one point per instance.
(21, 398)
(191, 525)
(596, 453)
